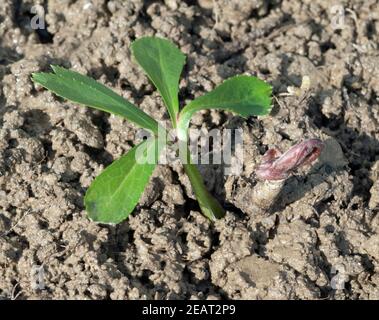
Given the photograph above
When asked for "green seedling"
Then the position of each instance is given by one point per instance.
(114, 194)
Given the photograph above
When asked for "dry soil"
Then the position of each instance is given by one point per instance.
(318, 240)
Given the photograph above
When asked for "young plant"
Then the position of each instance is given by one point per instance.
(276, 167)
(116, 191)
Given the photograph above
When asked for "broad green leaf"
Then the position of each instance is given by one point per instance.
(243, 95)
(116, 191)
(163, 62)
(84, 90)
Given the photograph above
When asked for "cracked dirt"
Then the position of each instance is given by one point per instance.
(318, 239)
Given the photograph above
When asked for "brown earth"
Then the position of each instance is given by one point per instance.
(319, 239)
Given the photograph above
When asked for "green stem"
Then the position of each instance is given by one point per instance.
(208, 204)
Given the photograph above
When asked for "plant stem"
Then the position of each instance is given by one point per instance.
(208, 204)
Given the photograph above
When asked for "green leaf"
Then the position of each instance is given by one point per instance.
(84, 90)
(243, 95)
(163, 62)
(116, 191)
